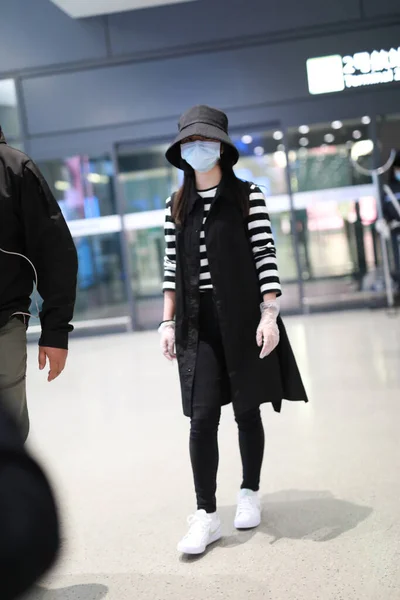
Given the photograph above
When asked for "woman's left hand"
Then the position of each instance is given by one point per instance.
(268, 331)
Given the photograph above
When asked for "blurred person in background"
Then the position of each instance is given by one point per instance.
(29, 539)
(221, 315)
(391, 213)
(36, 247)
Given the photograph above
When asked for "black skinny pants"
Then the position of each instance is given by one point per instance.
(212, 390)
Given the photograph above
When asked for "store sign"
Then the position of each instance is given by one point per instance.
(337, 73)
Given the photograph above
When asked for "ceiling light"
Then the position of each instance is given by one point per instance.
(362, 148)
(357, 135)
(281, 148)
(304, 129)
(259, 151)
(329, 138)
(97, 178)
(337, 125)
(366, 120)
(280, 159)
(247, 139)
(278, 135)
(62, 186)
(304, 141)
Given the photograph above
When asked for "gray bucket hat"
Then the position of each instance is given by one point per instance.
(207, 122)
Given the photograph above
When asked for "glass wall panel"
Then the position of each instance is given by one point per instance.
(146, 248)
(320, 159)
(9, 118)
(147, 257)
(335, 209)
(82, 185)
(389, 139)
(101, 286)
(101, 291)
(146, 178)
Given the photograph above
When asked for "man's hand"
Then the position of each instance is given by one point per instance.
(57, 359)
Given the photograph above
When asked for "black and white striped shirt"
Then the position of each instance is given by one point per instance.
(261, 240)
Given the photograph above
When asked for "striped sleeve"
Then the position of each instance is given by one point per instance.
(262, 243)
(170, 249)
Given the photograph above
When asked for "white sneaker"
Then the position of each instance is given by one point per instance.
(248, 514)
(204, 529)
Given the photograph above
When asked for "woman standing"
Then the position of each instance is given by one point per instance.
(220, 269)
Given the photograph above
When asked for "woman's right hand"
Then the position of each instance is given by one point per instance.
(167, 341)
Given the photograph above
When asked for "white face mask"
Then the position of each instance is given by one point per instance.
(201, 156)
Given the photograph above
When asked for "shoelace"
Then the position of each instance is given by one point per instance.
(197, 525)
(246, 505)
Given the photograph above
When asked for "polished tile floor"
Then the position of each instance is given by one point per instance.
(113, 439)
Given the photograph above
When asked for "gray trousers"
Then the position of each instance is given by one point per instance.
(13, 358)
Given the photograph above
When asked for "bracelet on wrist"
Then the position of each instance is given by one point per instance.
(164, 324)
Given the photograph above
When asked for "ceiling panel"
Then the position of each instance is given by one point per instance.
(90, 8)
(381, 8)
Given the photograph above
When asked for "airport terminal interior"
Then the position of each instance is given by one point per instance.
(92, 91)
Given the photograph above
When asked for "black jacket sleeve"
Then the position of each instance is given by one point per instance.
(50, 247)
(29, 525)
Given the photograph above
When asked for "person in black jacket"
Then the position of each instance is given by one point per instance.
(36, 247)
(221, 314)
(391, 214)
(29, 525)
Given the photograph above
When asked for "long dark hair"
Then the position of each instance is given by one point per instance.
(235, 187)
